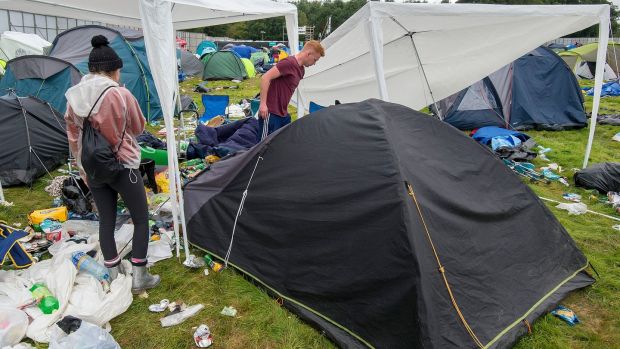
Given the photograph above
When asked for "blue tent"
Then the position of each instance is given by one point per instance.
(74, 46)
(244, 51)
(538, 90)
(44, 77)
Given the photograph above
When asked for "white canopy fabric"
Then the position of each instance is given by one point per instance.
(15, 44)
(159, 19)
(418, 54)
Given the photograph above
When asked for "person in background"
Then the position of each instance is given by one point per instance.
(115, 114)
(279, 83)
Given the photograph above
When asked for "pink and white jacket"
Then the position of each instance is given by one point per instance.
(116, 109)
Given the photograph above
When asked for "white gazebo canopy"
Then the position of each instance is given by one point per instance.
(418, 54)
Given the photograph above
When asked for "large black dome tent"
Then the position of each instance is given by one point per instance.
(34, 139)
(387, 228)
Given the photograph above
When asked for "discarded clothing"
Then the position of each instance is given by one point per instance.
(609, 89)
(507, 144)
(604, 177)
(613, 119)
(11, 249)
(225, 139)
(149, 139)
(485, 135)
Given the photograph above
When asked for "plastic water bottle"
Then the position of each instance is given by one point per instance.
(86, 263)
(47, 302)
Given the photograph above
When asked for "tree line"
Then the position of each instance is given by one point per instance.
(317, 14)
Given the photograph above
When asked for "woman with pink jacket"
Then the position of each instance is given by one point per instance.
(115, 113)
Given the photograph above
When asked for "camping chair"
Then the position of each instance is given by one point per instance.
(315, 107)
(214, 106)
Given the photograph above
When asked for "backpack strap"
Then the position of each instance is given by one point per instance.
(98, 98)
(124, 128)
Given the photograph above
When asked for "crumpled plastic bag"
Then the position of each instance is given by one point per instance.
(574, 208)
(88, 336)
(90, 303)
(13, 326)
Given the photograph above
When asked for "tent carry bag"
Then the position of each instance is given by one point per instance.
(98, 159)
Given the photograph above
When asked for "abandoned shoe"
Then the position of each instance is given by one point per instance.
(142, 280)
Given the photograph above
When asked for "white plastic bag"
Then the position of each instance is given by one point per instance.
(13, 326)
(574, 208)
(90, 303)
(88, 336)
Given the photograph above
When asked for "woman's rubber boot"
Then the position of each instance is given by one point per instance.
(142, 280)
(115, 270)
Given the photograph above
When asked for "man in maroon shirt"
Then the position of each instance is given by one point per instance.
(279, 83)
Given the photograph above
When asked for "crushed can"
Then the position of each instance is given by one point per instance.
(202, 336)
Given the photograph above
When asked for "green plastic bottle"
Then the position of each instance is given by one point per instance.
(217, 267)
(47, 302)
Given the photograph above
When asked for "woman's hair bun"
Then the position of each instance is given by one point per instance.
(99, 40)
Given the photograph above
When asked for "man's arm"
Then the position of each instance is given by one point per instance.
(265, 81)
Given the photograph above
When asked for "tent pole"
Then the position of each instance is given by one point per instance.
(417, 56)
(601, 55)
(376, 52)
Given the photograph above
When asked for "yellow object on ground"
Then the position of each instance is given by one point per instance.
(58, 213)
(212, 159)
(162, 182)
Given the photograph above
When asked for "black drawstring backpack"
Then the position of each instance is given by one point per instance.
(98, 159)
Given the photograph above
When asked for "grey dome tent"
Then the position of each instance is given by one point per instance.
(190, 64)
(34, 139)
(351, 212)
(44, 77)
(538, 90)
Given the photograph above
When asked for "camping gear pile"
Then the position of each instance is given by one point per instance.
(604, 178)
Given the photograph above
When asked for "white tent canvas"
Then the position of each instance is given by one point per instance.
(583, 71)
(16, 44)
(418, 54)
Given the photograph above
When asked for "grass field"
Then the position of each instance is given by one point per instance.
(262, 323)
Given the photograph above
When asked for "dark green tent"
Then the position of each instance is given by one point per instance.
(223, 65)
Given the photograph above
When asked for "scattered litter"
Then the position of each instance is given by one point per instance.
(565, 314)
(158, 308)
(614, 198)
(176, 307)
(616, 137)
(6, 203)
(13, 326)
(229, 311)
(52, 229)
(193, 262)
(616, 227)
(553, 166)
(215, 266)
(206, 272)
(55, 187)
(572, 197)
(88, 264)
(17, 224)
(143, 295)
(88, 335)
(47, 302)
(574, 208)
(202, 336)
(235, 81)
(178, 318)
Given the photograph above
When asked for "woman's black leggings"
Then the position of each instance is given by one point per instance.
(129, 184)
